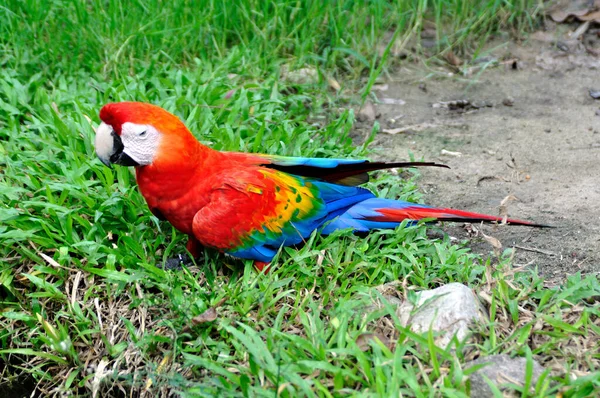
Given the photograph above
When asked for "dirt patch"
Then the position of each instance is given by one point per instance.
(530, 129)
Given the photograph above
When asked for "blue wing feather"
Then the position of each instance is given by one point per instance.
(322, 163)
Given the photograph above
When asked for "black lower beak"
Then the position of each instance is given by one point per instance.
(119, 157)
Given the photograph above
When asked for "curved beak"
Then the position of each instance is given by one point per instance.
(109, 147)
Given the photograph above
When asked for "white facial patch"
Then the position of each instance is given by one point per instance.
(140, 142)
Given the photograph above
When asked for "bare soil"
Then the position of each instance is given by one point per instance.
(534, 133)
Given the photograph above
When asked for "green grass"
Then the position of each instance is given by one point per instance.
(84, 310)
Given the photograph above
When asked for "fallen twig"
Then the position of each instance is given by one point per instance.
(533, 249)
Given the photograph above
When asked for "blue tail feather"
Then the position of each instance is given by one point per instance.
(359, 217)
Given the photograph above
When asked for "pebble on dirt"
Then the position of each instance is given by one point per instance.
(367, 113)
(500, 370)
(595, 94)
(508, 101)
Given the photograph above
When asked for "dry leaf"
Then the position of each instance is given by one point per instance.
(495, 242)
(485, 296)
(99, 375)
(49, 260)
(452, 59)
(507, 199)
(320, 258)
(281, 388)
(504, 206)
(334, 84)
(207, 316)
(397, 130)
(580, 30)
(584, 10)
(160, 369)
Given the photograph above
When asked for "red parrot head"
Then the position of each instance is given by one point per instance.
(140, 134)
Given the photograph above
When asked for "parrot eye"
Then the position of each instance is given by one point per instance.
(143, 133)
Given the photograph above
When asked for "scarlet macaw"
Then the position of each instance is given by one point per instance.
(249, 205)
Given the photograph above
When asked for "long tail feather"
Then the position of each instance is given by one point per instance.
(416, 213)
(377, 213)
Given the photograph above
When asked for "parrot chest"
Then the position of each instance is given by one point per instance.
(178, 209)
(180, 212)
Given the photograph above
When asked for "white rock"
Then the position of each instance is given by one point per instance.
(447, 310)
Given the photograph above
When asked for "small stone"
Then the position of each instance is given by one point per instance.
(597, 112)
(547, 130)
(508, 101)
(367, 113)
(447, 310)
(392, 101)
(451, 153)
(381, 87)
(562, 46)
(500, 370)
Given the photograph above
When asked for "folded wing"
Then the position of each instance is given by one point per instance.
(349, 172)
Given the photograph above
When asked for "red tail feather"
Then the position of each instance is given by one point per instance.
(419, 213)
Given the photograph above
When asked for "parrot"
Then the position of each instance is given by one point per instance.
(249, 205)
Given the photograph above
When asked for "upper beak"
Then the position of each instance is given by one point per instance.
(109, 147)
